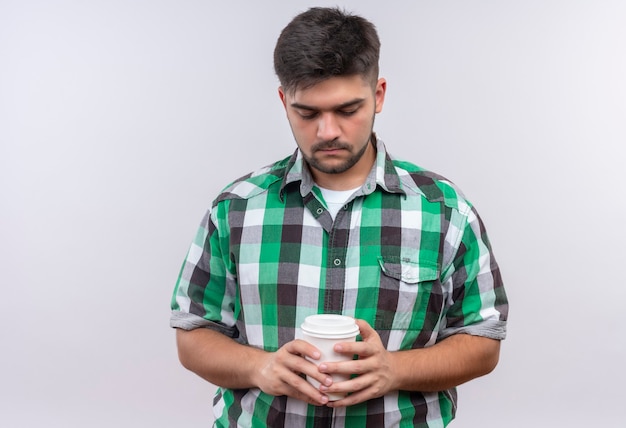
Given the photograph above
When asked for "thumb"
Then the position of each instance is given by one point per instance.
(366, 330)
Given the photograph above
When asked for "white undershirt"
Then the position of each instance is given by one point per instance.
(336, 199)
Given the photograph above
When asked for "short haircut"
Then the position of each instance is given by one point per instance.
(322, 43)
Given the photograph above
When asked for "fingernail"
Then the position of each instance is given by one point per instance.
(316, 355)
(328, 381)
(338, 348)
(322, 367)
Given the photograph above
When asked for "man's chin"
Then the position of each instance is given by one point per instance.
(331, 167)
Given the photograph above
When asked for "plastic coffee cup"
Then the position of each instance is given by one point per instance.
(324, 332)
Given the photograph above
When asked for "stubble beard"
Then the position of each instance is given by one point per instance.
(321, 166)
(336, 144)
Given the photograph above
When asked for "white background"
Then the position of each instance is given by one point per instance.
(120, 120)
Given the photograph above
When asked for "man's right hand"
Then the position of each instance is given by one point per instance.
(279, 373)
(226, 363)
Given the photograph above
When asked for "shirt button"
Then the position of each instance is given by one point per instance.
(320, 211)
(337, 262)
(345, 207)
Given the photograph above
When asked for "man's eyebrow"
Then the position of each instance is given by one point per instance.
(337, 107)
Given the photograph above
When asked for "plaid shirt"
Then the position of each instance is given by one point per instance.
(407, 253)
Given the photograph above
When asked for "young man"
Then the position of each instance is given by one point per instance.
(339, 227)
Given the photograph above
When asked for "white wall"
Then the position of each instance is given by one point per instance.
(120, 120)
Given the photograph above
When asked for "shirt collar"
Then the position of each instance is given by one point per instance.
(383, 173)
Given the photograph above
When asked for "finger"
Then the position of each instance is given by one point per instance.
(362, 349)
(350, 396)
(314, 395)
(355, 391)
(349, 400)
(364, 327)
(352, 367)
(294, 365)
(307, 394)
(312, 371)
(366, 331)
(297, 364)
(292, 385)
(303, 348)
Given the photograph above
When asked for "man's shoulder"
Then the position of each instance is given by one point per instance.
(255, 182)
(417, 180)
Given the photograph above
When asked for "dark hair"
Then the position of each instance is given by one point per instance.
(322, 43)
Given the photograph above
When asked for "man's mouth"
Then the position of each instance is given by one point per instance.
(330, 148)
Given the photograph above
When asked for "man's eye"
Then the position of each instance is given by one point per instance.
(347, 112)
(308, 116)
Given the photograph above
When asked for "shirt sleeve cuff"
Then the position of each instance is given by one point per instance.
(187, 321)
(493, 329)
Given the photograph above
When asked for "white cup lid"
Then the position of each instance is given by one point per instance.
(330, 325)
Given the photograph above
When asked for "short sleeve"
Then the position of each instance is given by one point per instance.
(204, 294)
(477, 304)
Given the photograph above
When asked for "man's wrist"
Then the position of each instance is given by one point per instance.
(257, 363)
(401, 370)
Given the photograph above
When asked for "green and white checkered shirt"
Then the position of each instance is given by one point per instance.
(407, 253)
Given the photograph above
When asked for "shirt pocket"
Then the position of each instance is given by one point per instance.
(408, 271)
(405, 297)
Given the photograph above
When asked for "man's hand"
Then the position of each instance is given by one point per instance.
(449, 363)
(374, 369)
(279, 373)
(226, 363)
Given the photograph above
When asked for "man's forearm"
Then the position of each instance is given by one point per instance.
(455, 360)
(451, 362)
(217, 358)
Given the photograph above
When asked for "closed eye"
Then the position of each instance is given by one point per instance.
(347, 112)
(347, 109)
(308, 116)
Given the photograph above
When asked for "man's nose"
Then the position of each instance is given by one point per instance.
(328, 127)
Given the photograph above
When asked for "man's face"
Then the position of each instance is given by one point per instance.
(332, 124)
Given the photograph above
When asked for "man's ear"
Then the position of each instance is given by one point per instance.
(379, 94)
(283, 97)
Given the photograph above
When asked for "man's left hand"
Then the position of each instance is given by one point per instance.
(373, 369)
